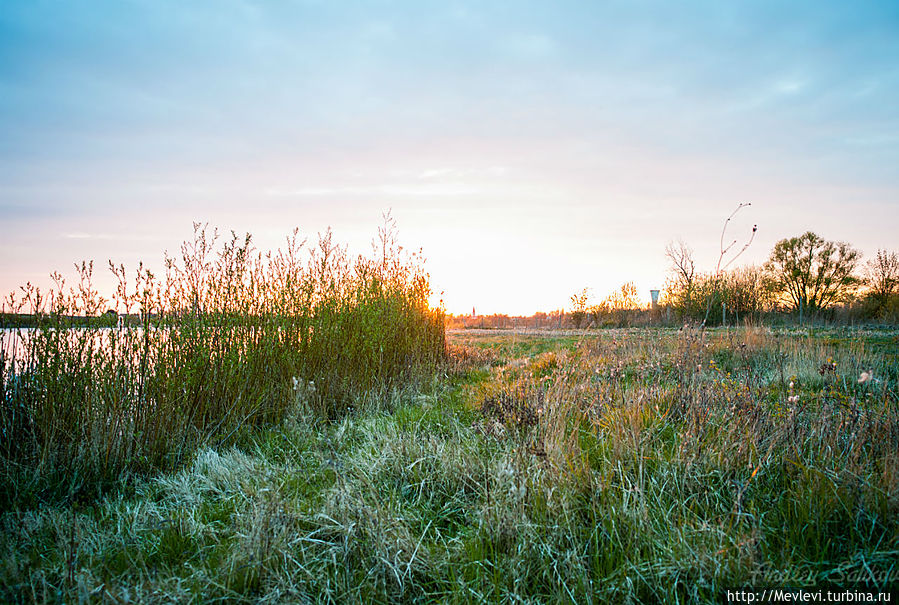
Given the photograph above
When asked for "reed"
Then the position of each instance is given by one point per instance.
(217, 345)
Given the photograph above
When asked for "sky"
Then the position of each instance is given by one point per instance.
(530, 149)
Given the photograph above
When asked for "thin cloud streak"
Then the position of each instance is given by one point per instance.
(423, 190)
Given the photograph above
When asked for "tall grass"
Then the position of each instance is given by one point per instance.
(624, 467)
(695, 463)
(216, 345)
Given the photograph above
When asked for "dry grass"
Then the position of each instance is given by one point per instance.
(629, 468)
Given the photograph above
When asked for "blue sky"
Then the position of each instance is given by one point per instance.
(530, 149)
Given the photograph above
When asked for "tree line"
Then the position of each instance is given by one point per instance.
(806, 275)
(805, 278)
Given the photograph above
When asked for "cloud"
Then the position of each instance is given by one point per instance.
(404, 190)
(594, 115)
(436, 172)
(121, 237)
(464, 173)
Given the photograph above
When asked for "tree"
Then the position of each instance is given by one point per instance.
(744, 292)
(620, 304)
(681, 264)
(579, 302)
(681, 270)
(882, 277)
(811, 272)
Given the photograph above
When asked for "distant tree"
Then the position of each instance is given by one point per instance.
(681, 272)
(625, 298)
(810, 271)
(705, 292)
(744, 292)
(882, 277)
(620, 304)
(579, 302)
(680, 262)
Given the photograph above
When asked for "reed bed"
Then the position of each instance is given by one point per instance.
(216, 346)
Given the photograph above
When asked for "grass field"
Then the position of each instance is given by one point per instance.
(612, 466)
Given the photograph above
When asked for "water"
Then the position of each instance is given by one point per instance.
(18, 348)
(12, 344)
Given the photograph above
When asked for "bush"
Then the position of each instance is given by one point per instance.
(743, 292)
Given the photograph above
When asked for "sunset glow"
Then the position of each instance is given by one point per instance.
(528, 149)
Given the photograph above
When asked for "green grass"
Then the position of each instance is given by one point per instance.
(646, 473)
